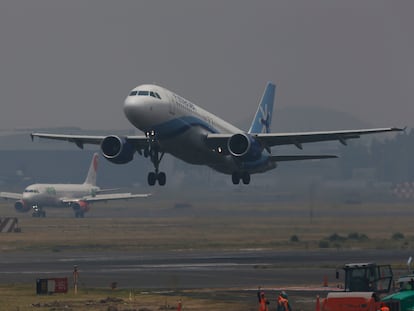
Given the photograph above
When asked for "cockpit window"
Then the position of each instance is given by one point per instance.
(145, 93)
(155, 94)
(31, 191)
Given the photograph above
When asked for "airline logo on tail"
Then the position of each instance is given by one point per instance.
(263, 118)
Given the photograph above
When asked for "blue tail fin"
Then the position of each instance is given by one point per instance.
(263, 118)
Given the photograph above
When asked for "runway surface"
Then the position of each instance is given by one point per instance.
(192, 269)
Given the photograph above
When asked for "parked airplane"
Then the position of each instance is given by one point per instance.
(77, 196)
(175, 125)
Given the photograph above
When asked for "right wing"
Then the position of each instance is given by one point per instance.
(11, 195)
(297, 139)
(139, 141)
(218, 140)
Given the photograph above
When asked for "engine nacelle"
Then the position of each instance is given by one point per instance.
(117, 149)
(245, 147)
(21, 207)
(80, 206)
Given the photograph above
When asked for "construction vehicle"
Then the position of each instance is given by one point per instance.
(364, 285)
(403, 298)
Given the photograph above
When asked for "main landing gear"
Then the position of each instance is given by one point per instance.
(153, 152)
(237, 176)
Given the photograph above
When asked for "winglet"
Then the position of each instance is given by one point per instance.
(263, 117)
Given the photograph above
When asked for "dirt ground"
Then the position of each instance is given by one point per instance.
(162, 227)
(197, 300)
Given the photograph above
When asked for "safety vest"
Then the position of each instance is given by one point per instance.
(283, 304)
(263, 304)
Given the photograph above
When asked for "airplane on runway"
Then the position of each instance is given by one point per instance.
(174, 125)
(77, 196)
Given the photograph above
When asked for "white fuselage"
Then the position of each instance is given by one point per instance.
(181, 128)
(51, 195)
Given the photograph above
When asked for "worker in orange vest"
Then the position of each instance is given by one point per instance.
(283, 302)
(263, 302)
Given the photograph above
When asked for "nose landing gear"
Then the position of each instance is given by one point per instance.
(38, 212)
(153, 152)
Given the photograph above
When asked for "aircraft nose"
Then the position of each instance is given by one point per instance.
(135, 108)
(27, 196)
(129, 103)
(130, 107)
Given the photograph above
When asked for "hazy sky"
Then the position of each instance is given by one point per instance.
(72, 63)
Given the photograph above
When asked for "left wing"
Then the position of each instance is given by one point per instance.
(106, 197)
(11, 195)
(139, 141)
(297, 139)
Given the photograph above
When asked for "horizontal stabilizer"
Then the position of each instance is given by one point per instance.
(301, 157)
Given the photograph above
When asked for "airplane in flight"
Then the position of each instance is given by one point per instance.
(174, 125)
(77, 196)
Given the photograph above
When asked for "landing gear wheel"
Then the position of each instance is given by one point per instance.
(162, 178)
(246, 178)
(152, 178)
(38, 212)
(235, 178)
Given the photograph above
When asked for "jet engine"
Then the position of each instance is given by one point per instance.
(117, 150)
(80, 206)
(21, 207)
(244, 146)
